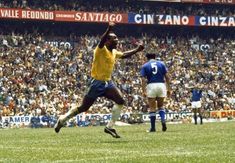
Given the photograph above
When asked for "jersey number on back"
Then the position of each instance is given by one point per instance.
(154, 67)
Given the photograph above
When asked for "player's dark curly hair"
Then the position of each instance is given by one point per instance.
(150, 55)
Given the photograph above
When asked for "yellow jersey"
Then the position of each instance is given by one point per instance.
(103, 63)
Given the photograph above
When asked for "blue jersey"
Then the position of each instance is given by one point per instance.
(196, 95)
(155, 71)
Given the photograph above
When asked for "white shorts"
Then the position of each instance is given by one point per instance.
(196, 104)
(156, 90)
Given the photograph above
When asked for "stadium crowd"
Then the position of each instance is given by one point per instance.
(124, 6)
(41, 78)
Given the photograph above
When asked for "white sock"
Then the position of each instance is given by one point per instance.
(71, 113)
(115, 115)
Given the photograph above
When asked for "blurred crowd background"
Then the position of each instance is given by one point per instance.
(124, 6)
(45, 67)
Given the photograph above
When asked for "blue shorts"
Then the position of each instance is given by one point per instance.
(97, 88)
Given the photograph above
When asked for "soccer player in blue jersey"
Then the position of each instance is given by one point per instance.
(156, 86)
(196, 104)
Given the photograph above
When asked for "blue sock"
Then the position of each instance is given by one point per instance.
(152, 116)
(162, 114)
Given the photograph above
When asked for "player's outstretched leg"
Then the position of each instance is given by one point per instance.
(63, 118)
(114, 94)
(112, 132)
(115, 115)
(58, 126)
(86, 103)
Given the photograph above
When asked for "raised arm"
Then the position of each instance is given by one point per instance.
(129, 53)
(104, 36)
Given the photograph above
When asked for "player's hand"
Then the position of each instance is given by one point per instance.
(140, 47)
(111, 24)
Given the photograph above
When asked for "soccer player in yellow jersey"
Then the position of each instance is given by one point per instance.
(101, 85)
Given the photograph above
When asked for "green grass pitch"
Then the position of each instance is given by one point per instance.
(211, 142)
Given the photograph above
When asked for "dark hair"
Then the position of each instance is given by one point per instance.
(150, 55)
